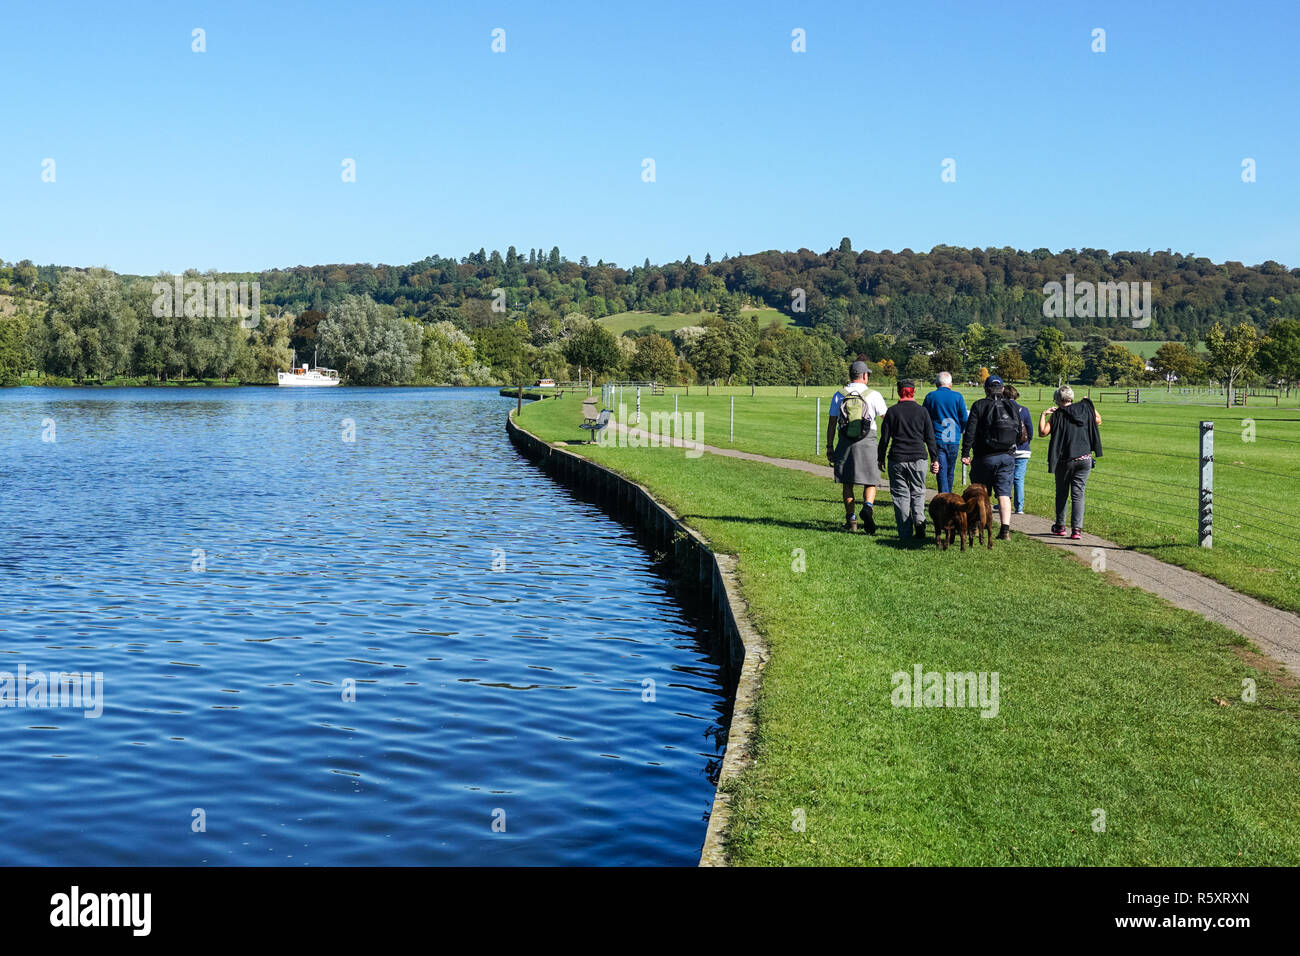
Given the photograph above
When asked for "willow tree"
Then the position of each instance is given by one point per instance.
(368, 343)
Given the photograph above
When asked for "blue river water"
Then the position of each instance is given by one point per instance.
(334, 627)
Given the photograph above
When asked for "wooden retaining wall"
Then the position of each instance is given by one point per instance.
(708, 579)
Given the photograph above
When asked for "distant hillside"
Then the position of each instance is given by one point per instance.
(856, 294)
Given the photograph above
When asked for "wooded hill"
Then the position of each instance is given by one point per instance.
(489, 318)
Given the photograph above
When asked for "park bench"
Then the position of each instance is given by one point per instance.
(592, 421)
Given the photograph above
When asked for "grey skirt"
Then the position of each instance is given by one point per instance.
(855, 462)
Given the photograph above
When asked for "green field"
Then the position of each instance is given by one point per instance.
(628, 321)
(1143, 493)
(1109, 700)
(1146, 349)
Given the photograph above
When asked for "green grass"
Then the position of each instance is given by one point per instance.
(628, 321)
(1146, 349)
(1107, 694)
(1143, 494)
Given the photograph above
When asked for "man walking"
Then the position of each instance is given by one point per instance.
(853, 414)
(906, 435)
(948, 415)
(994, 431)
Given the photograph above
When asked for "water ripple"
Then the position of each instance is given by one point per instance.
(306, 646)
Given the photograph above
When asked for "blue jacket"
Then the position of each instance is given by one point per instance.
(946, 405)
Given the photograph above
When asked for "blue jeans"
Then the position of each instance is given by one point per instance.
(948, 457)
(1018, 499)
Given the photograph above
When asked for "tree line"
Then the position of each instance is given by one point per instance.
(493, 319)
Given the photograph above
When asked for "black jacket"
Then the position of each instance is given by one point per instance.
(906, 434)
(1074, 433)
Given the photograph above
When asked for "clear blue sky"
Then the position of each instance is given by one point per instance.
(230, 159)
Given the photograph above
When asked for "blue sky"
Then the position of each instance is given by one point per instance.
(231, 159)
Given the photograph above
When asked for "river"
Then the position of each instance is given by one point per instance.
(334, 627)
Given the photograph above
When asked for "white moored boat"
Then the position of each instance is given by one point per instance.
(305, 376)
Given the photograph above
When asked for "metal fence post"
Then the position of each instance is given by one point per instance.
(817, 430)
(1206, 524)
(733, 419)
(638, 405)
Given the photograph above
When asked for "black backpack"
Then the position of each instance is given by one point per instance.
(1002, 427)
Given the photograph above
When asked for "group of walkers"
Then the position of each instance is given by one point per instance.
(865, 438)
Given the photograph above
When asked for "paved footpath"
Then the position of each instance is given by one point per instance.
(1275, 632)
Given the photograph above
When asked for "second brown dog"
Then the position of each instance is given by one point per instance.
(979, 513)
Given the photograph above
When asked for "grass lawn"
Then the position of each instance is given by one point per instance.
(1107, 695)
(1146, 349)
(1143, 494)
(626, 321)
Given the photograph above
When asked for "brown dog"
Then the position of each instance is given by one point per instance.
(979, 513)
(948, 512)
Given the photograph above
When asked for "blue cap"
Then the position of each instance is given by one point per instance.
(992, 380)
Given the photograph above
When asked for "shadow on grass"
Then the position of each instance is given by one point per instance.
(831, 526)
(834, 525)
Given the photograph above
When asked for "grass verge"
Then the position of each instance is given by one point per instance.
(1109, 699)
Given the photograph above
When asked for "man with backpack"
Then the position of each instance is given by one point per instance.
(994, 431)
(851, 444)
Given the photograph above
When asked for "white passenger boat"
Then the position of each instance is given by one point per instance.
(305, 376)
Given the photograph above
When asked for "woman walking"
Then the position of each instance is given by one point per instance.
(1074, 439)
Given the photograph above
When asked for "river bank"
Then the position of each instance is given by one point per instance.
(1120, 731)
